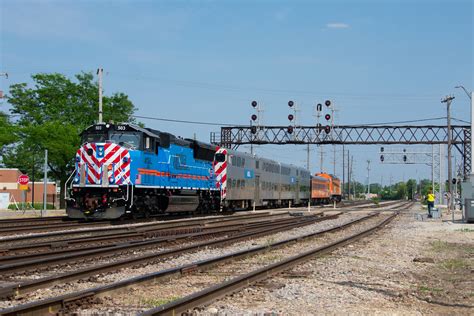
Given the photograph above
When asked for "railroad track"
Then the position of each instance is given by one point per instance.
(66, 301)
(56, 223)
(212, 293)
(25, 287)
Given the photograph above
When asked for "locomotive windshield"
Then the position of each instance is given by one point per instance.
(94, 138)
(130, 140)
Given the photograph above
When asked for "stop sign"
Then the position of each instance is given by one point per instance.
(23, 179)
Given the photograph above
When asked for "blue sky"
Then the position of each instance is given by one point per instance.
(378, 61)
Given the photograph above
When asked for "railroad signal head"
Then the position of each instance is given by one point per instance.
(454, 181)
(290, 129)
(327, 117)
(382, 149)
(253, 129)
(319, 107)
(254, 104)
(291, 103)
(291, 117)
(327, 103)
(327, 129)
(254, 117)
(382, 158)
(404, 158)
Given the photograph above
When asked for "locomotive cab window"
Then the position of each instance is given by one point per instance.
(94, 138)
(126, 139)
(220, 157)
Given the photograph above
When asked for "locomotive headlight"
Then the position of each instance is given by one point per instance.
(76, 180)
(112, 180)
(125, 159)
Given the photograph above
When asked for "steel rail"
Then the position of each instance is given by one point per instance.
(48, 226)
(29, 286)
(175, 235)
(146, 232)
(142, 227)
(210, 294)
(68, 256)
(57, 304)
(32, 219)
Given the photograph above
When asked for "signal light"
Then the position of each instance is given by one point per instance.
(291, 117)
(254, 117)
(454, 180)
(254, 104)
(381, 149)
(253, 129)
(404, 158)
(327, 129)
(327, 117)
(290, 103)
(327, 103)
(319, 107)
(382, 158)
(290, 129)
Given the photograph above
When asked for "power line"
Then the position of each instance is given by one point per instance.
(184, 121)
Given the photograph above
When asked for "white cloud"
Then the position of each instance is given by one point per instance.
(337, 25)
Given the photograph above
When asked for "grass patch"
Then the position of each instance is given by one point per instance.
(439, 245)
(465, 230)
(454, 264)
(429, 289)
(154, 302)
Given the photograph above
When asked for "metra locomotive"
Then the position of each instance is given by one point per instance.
(128, 170)
(125, 169)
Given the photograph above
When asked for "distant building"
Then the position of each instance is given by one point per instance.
(10, 189)
(369, 196)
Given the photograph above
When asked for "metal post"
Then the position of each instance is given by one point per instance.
(99, 73)
(432, 170)
(448, 100)
(45, 185)
(348, 175)
(472, 133)
(343, 170)
(33, 186)
(368, 178)
(307, 157)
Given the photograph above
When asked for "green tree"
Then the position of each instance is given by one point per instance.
(7, 133)
(411, 188)
(52, 114)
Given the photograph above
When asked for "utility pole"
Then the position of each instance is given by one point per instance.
(321, 159)
(448, 100)
(334, 159)
(368, 178)
(307, 157)
(99, 73)
(45, 185)
(343, 170)
(352, 176)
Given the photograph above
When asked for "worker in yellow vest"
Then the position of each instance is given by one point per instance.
(430, 198)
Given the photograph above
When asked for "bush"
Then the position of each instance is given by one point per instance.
(27, 206)
(376, 200)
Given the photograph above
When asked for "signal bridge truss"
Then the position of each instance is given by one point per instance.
(433, 158)
(233, 137)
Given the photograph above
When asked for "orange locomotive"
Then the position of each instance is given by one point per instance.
(325, 188)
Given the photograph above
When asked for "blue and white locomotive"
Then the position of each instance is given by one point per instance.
(125, 169)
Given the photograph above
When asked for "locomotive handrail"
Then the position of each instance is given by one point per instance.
(66, 197)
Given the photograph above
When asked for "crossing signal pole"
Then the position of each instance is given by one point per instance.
(448, 100)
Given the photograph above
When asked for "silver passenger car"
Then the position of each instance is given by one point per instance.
(265, 182)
